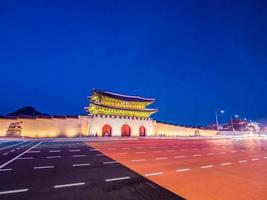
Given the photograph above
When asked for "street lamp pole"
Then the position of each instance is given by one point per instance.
(217, 121)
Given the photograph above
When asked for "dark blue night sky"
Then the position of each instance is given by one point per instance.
(193, 56)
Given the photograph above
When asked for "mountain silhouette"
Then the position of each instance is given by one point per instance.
(28, 110)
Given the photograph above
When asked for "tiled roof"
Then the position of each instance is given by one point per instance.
(119, 108)
(123, 97)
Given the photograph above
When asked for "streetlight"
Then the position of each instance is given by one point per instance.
(217, 120)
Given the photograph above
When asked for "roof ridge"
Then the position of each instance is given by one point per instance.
(123, 95)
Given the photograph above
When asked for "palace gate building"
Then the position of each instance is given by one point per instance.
(114, 114)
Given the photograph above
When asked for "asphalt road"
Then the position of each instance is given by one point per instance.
(198, 169)
(69, 170)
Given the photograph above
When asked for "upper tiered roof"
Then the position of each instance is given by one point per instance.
(123, 97)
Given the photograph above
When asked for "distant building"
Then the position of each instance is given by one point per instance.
(237, 124)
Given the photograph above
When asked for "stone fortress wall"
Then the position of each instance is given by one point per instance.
(47, 127)
(171, 130)
(88, 125)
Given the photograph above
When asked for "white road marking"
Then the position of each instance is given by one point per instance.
(183, 170)
(122, 153)
(24, 158)
(110, 162)
(100, 154)
(254, 159)
(222, 153)
(92, 150)
(138, 160)
(162, 158)
(179, 156)
(233, 151)
(44, 167)
(54, 151)
(74, 150)
(265, 157)
(78, 156)
(206, 166)
(12, 150)
(81, 164)
(242, 161)
(209, 154)
(111, 149)
(154, 174)
(196, 155)
(5, 154)
(3, 170)
(69, 185)
(34, 152)
(117, 179)
(12, 145)
(225, 163)
(13, 191)
(53, 156)
(3, 165)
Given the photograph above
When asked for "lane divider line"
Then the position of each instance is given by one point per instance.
(206, 166)
(34, 152)
(3, 170)
(183, 170)
(110, 162)
(78, 156)
(44, 167)
(162, 158)
(154, 174)
(81, 164)
(179, 156)
(69, 185)
(54, 151)
(25, 158)
(74, 150)
(223, 164)
(117, 179)
(53, 157)
(13, 191)
(209, 154)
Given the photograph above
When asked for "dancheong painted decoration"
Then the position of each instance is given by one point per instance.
(109, 103)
